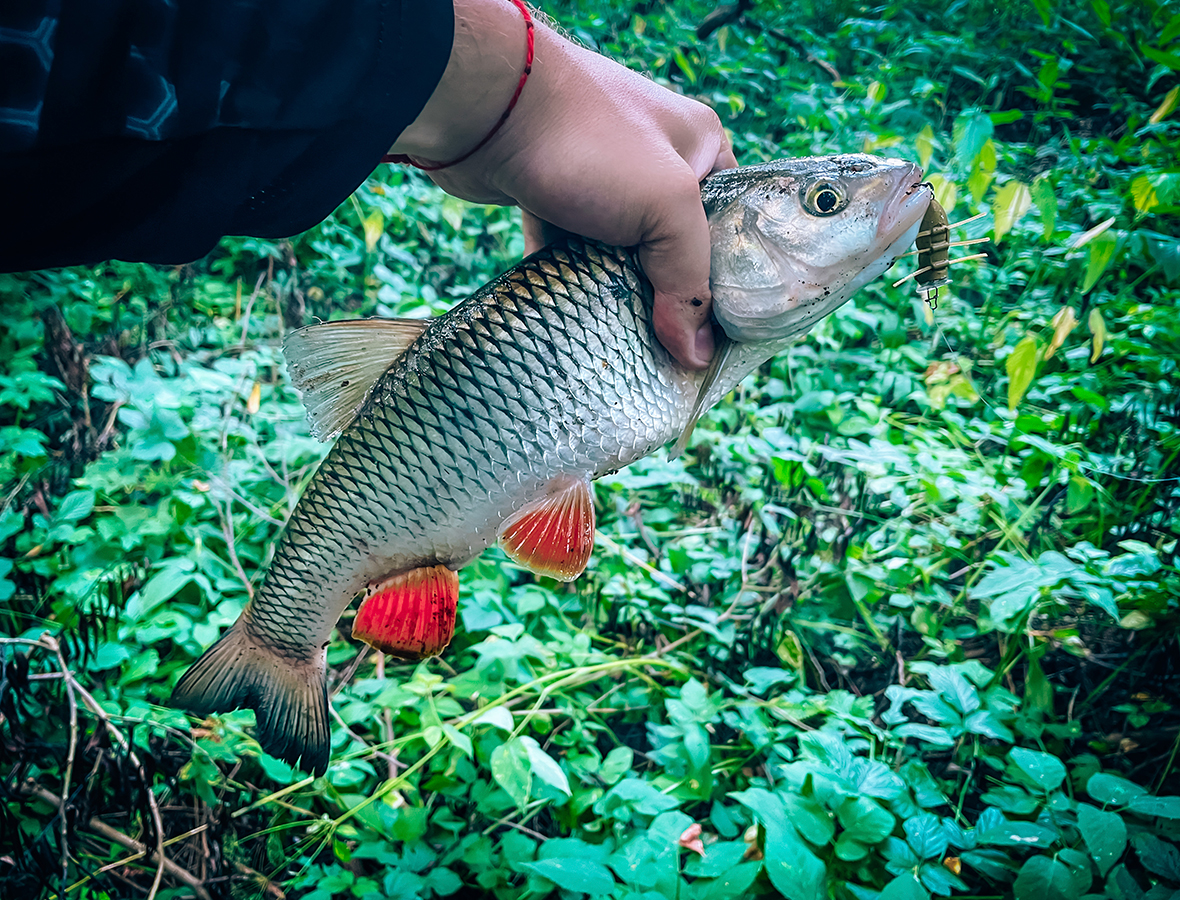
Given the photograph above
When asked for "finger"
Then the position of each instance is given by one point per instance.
(675, 257)
(534, 232)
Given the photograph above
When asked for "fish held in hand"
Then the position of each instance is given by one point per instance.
(490, 423)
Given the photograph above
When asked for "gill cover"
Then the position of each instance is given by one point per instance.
(793, 239)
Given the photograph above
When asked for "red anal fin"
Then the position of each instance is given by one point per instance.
(554, 534)
(412, 614)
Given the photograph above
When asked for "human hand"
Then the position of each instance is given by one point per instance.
(591, 148)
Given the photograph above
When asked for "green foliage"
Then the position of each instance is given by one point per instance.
(898, 625)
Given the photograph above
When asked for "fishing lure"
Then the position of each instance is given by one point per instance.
(933, 245)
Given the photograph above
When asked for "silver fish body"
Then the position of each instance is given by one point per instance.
(549, 374)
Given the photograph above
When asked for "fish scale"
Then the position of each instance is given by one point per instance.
(420, 451)
(489, 422)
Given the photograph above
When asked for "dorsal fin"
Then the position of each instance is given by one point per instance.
(335, 365)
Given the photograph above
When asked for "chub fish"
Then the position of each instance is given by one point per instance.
(490, 422)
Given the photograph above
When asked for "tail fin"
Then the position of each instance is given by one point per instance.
(290, 699)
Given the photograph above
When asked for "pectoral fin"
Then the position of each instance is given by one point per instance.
(336, 364)
(554, 534)
(412, 614)
(716, 364)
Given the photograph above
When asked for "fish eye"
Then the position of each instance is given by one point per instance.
(824, 198)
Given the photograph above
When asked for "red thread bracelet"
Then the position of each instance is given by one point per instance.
(403, 159)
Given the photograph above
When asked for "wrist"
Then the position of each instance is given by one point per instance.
(482, 79)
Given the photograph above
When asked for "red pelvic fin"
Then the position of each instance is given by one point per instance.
(412, 614)
(554, 534)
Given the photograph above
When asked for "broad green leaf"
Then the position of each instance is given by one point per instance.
(1113, 790)
(1099, 253)
(510, 769)
(864, 820)
(498, 717)
(1164, 807)
(924, 144)
(1044, 878)
(1171, 60)
(544, 766)
(1158, 857)
(1098, 331)
(1012, 201)
(1105, 835)
(1045, 771)
(904, 887)
(971, 131)
(926, 836)
(1045, 198)
(793, 869)
(76, 505)
(616, 764)
(573, 874)
(1021, 366)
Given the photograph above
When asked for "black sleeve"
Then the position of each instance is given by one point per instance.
(148, 129)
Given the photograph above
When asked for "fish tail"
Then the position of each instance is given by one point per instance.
(289, 698)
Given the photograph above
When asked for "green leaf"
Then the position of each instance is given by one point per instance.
(926, 836)
(75, 505)
(864, 820)
(510, 769)
(544, 767)
(1099, 253)
(904, 887)
(617, 764)
(972, 129)
(1045, 198)
(573, 874)
(1113, 790)
(1171, 60)
(1021, 366)
(1044, 878)
(1045, 771)
(1163, 807)
(793, 869)
(1158, 857)
(1105, 835)
(1012, 201)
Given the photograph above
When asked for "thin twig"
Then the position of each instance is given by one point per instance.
(50, 643)
(68, 776)
(227, 530)
(98, 826)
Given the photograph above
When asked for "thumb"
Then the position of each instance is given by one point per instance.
(675, 258)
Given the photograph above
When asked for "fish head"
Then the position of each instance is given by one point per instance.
(795, 238)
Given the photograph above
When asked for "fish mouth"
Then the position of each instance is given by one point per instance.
(906, 205)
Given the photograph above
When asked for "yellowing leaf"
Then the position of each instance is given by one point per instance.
(374, 226)
(1164, 109)
(1063, 323)
(945, 192)
(1086, 236)
(1022, 366)
(1100, 252)
(875, 94)
(1012, 202)
(255, 399)
(1144, 194)
(1098, 330)
(924, 144)
(978, 182)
